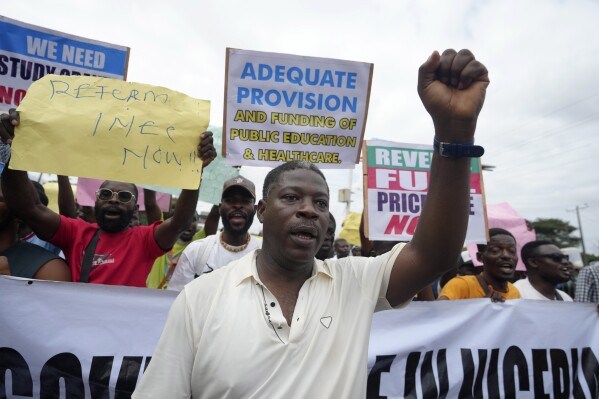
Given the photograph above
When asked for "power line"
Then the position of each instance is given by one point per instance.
(545, 155)
(552, 132)
(553, 112)
(596, 220)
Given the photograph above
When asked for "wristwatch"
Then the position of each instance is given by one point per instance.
(455, 150)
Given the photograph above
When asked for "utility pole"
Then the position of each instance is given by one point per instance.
(351, 181)
(577, 209)
(345, 195)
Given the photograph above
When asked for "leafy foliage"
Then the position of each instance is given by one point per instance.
(557, 231)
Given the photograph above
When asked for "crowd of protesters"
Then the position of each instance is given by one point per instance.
(547, 268)
(170, 253)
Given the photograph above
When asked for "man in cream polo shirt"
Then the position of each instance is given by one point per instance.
(278, 323)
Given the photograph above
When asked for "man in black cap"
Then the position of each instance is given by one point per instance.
(237, 210)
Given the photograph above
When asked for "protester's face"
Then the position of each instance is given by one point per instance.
(356, 251)
(189, 232)
(113, 215)
(551, 266)
(500, 257)
(237, 210)
(295, 217)
(327, 245)
(342, 249)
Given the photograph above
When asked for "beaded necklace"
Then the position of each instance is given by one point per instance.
(231, 248)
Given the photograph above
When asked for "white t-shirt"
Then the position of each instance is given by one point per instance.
(527, 291)
(226, 336)
(190, 263)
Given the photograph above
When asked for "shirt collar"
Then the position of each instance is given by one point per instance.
(245, 268)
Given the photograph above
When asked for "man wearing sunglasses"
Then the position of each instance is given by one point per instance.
(123, 255)
(546, 267)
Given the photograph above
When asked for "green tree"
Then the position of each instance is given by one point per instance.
(557, 231)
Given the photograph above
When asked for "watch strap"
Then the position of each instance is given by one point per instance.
(457, 150)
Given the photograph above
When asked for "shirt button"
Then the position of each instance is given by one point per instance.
(272, 304)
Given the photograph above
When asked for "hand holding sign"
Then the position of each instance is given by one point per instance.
(7, 125)
(452, 88)
(206, 149)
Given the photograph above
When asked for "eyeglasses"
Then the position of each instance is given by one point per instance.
(105, 194)
(555, 257)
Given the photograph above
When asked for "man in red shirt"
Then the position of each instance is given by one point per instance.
(124, 255)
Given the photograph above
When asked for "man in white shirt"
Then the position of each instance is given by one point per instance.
(280, 324)
(546, 267)
(237, 210)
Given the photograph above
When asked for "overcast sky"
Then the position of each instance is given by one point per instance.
(540, 122)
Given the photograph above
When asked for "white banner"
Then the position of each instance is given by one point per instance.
(98, 338)
(70, 340)
(477, 349)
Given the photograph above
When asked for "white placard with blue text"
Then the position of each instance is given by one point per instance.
(281, 107)
(29, 52)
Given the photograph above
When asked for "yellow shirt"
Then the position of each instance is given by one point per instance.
(465, 287)
(163, 263)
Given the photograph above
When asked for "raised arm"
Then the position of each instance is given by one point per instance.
(211, 224)
(66, 198)
(153, 211)
(19, 193)
(166, 233)
(452, 88)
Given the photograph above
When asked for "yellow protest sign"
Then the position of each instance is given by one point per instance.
(350, 228)
(110, 129)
